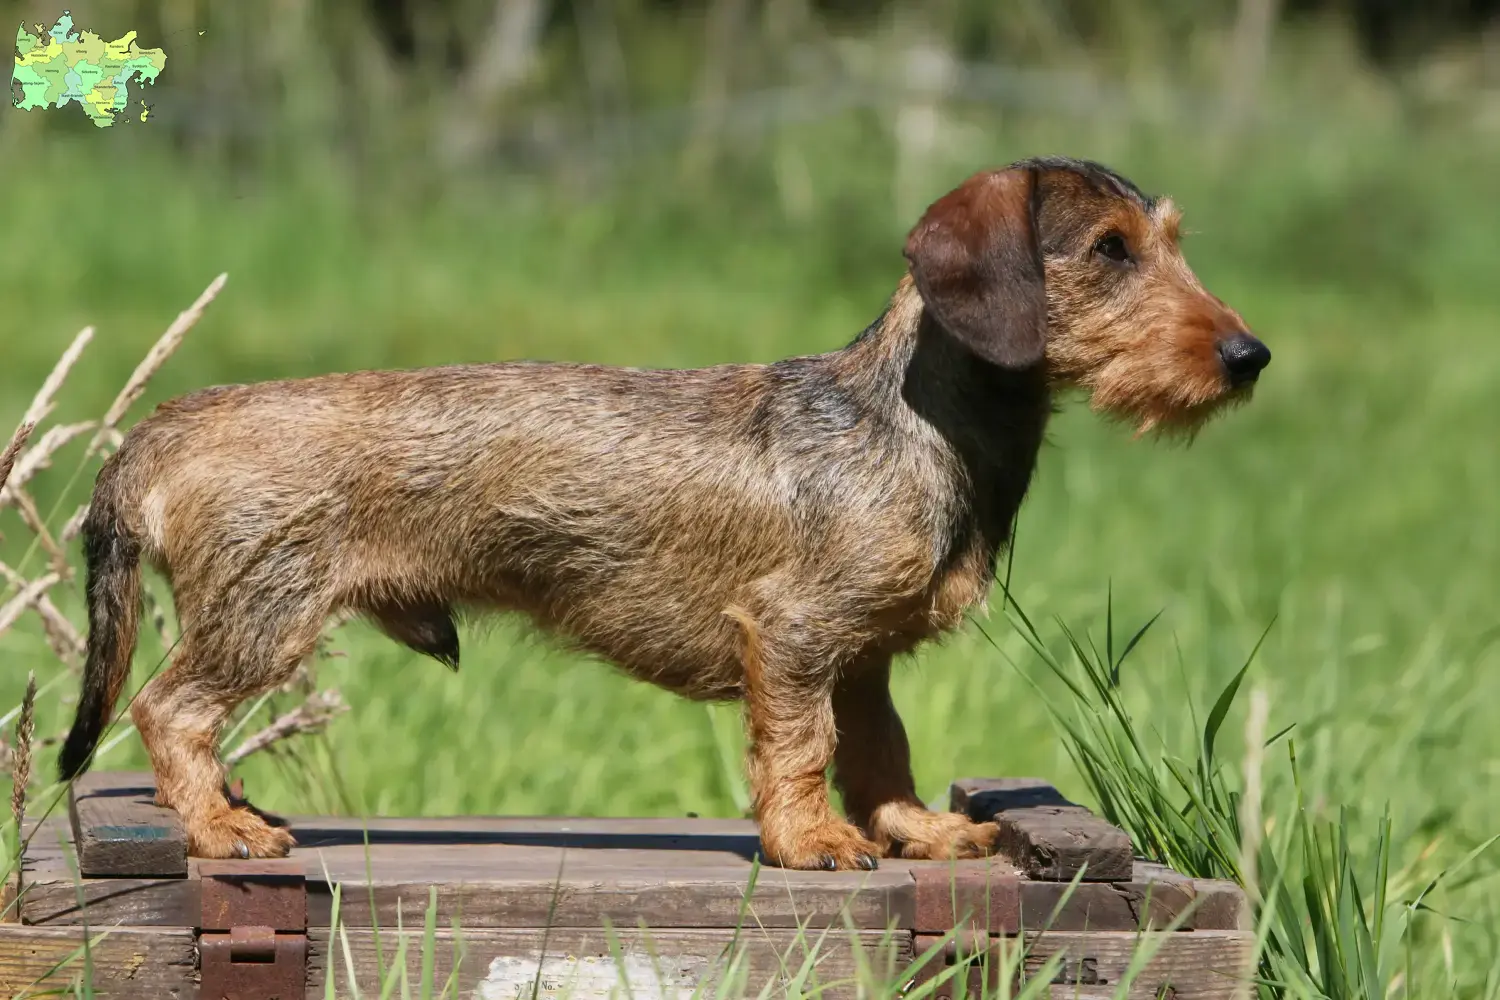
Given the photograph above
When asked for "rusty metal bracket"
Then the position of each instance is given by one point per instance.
(252, 941)
(252, 894)
(252, 964)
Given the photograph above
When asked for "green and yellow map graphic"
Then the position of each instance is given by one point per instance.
(54, 68)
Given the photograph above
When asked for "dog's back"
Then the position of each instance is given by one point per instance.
(621, 508)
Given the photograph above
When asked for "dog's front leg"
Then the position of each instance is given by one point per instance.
(790, 714)
(872, 768)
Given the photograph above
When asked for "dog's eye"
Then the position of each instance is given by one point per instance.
(1113, 246)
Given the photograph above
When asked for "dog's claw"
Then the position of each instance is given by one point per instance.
(242, 850)
(827, 863)
(868, 863)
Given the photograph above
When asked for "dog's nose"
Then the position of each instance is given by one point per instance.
(1243, 357)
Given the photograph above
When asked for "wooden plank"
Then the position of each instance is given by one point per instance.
(1047, 836)
(575, 873)
(52, 890)
(1221, 906)
(126, 962)
(660, 898)
(1196, 965)
(111, 902)
(714, 838)
(504, 896)
(1158, 895)
(51, 837)
(119, 830)
(1087, 906)
(667, 899)
(493, 964)
(584, 901)
(1155, 897)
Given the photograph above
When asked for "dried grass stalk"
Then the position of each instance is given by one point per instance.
(42, 404)
(311, 716)
(74, 525)
(112, 439)
(21, 771)
(62, 636)
(39, 457)
(155, 358)
(29, 595)
(17, 442)
(35, 523)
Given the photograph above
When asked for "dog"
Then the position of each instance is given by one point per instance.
(776, 533)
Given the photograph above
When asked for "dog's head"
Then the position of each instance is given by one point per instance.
(1066, 264)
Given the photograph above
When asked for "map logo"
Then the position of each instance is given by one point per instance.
(63, 66)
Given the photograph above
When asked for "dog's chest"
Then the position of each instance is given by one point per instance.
(967, 538)
(956, 578)
(962, 587)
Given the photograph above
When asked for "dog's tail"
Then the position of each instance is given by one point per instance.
(112, 553)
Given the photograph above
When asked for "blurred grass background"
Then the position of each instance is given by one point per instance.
(675, 183)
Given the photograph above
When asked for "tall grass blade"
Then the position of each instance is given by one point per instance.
(429, 942)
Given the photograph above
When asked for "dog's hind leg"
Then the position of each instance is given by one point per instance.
(872, 770)
(230, 651)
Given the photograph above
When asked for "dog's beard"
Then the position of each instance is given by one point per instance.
(1174, 422)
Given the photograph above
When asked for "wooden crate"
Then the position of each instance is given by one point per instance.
(576, 906)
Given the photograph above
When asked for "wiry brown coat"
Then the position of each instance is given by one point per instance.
(773, 533)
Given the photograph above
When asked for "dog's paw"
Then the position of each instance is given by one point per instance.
(953, 841)
(829, 847)
(237, 833)
(911, 831)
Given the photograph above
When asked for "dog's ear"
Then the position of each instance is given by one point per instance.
(975, 259)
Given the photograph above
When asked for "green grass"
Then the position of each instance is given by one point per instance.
(1353, 509)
